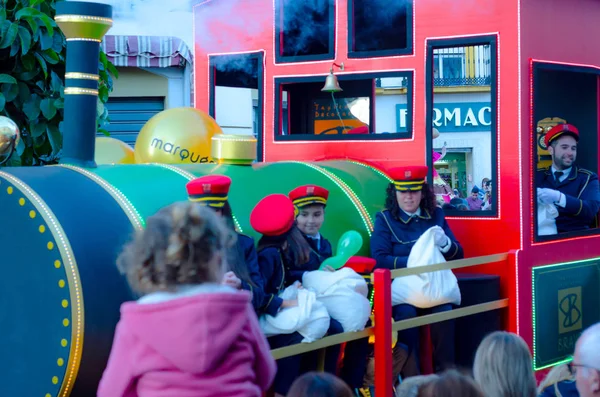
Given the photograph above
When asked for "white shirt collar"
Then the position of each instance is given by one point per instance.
(411, 214)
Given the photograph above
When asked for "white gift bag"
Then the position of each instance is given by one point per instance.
(310, 318)
(547, 214)
(427, 289)
(344, 294)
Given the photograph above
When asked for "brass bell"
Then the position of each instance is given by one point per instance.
(331, 84)
(9, 138)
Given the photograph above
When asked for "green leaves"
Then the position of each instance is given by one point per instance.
(9, 34)
(5, 78)
(32, 69)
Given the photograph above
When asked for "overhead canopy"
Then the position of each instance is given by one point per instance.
(147, 51)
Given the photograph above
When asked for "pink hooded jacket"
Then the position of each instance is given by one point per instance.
(200, 345)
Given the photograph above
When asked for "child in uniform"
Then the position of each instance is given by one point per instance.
(281, 244)
(310, 202)
(213, 191)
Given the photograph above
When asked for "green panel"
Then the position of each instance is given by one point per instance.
(565, 302)
(368, 183)
(148, 187)
(251, 183)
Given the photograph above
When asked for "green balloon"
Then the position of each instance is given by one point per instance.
(348, 245)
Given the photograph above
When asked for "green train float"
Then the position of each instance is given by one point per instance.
(64, 225)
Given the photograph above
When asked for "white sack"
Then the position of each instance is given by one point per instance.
(309, 318)
(547, 214)
(427, 289)
(344, 294)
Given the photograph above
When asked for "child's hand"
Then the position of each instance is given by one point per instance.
(289, 303)
(231, 280)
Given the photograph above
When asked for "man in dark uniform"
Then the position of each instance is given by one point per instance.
(573, 190)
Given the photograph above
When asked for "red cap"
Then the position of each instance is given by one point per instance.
(309, 194)
(273, 215)
(211, 190)
(408, 178)
(363, 129)
(560, 130)
(361, 264)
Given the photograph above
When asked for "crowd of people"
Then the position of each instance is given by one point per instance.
(195, 330)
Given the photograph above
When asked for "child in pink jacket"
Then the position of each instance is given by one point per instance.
(188, 335)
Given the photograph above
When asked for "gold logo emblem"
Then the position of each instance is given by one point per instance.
(310, 190)
(206, 187)
(570, 314)
(407, 174)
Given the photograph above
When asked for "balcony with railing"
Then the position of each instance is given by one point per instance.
(462, 66)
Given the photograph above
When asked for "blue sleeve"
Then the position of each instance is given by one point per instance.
(258, 289)
(381, 246)
(267, 263)
(456, 250)
(586, 206)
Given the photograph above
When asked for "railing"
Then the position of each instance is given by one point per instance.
(383, 328)
(462, 66)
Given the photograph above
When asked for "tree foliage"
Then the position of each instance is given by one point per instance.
(32, 69)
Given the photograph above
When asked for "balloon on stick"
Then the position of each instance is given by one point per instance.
(348, 245)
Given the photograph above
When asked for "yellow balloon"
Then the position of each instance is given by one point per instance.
(176, 136)
(113, 151)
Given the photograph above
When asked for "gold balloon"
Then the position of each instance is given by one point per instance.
(9, 138)
(177, 136)
(113, 151)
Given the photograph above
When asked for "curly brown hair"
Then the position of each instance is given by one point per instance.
(183, 243)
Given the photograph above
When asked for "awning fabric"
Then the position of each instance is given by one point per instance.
(146, 51)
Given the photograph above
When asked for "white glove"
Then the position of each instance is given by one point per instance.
(548, 196)
(440, 238)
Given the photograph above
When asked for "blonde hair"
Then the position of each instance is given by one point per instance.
(557, 374)
(503, 366)
(183, 243)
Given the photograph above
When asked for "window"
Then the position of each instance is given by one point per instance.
(564, 94)
(380, 28)
(371, 106)
(304, 30)
(461, 98)
(237, 94)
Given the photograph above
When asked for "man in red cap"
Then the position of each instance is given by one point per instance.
(573, 190)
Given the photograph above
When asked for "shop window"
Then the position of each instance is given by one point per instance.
(565, 94)
(236, 98)
(371, 106)
(380, 28)
(461, 81)
(304, 30)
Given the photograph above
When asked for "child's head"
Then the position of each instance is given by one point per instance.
(310, 202)
(310, 218)
(184, 243)
(319, 384)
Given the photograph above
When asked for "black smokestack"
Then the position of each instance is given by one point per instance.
(84, 25)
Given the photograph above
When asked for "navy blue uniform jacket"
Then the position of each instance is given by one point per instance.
(317, 256)
(270, 262)
(583, 198)
(246, 246)
(392, 238)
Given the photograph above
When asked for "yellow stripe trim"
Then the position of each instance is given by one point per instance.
(74, 281)
(209, 198)
(316, 199)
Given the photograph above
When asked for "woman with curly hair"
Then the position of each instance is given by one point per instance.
(410, 210)
(188, 335)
